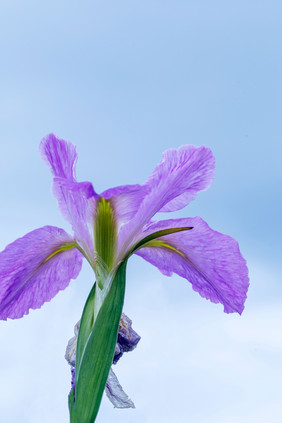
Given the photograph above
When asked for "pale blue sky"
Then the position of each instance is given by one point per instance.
(125, 80)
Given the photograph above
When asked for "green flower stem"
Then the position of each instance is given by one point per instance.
(96, 350)
(100, 321)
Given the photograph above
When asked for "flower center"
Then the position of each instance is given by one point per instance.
(105, 232)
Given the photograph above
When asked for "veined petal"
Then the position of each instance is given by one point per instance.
(76, 200)
(174, 183)
(116, 394)
(126, 200)
(59, 155)
(70, 354)
(181, 174)
(34, 268)
(127, 338)
(211, 261)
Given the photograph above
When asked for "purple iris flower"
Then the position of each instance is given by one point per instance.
(106, 227)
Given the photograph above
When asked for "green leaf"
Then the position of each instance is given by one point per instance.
(86, 325)
(72, 407)
(85, 328)
(97, 355)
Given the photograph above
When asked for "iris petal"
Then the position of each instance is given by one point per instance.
(34, 268)
(76, 200)
(116, 394)
(59, 155)
(175, 182)
(180, 176)
(126, 200)
(211, 261)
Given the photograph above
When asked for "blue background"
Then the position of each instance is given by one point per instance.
(125, 80)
